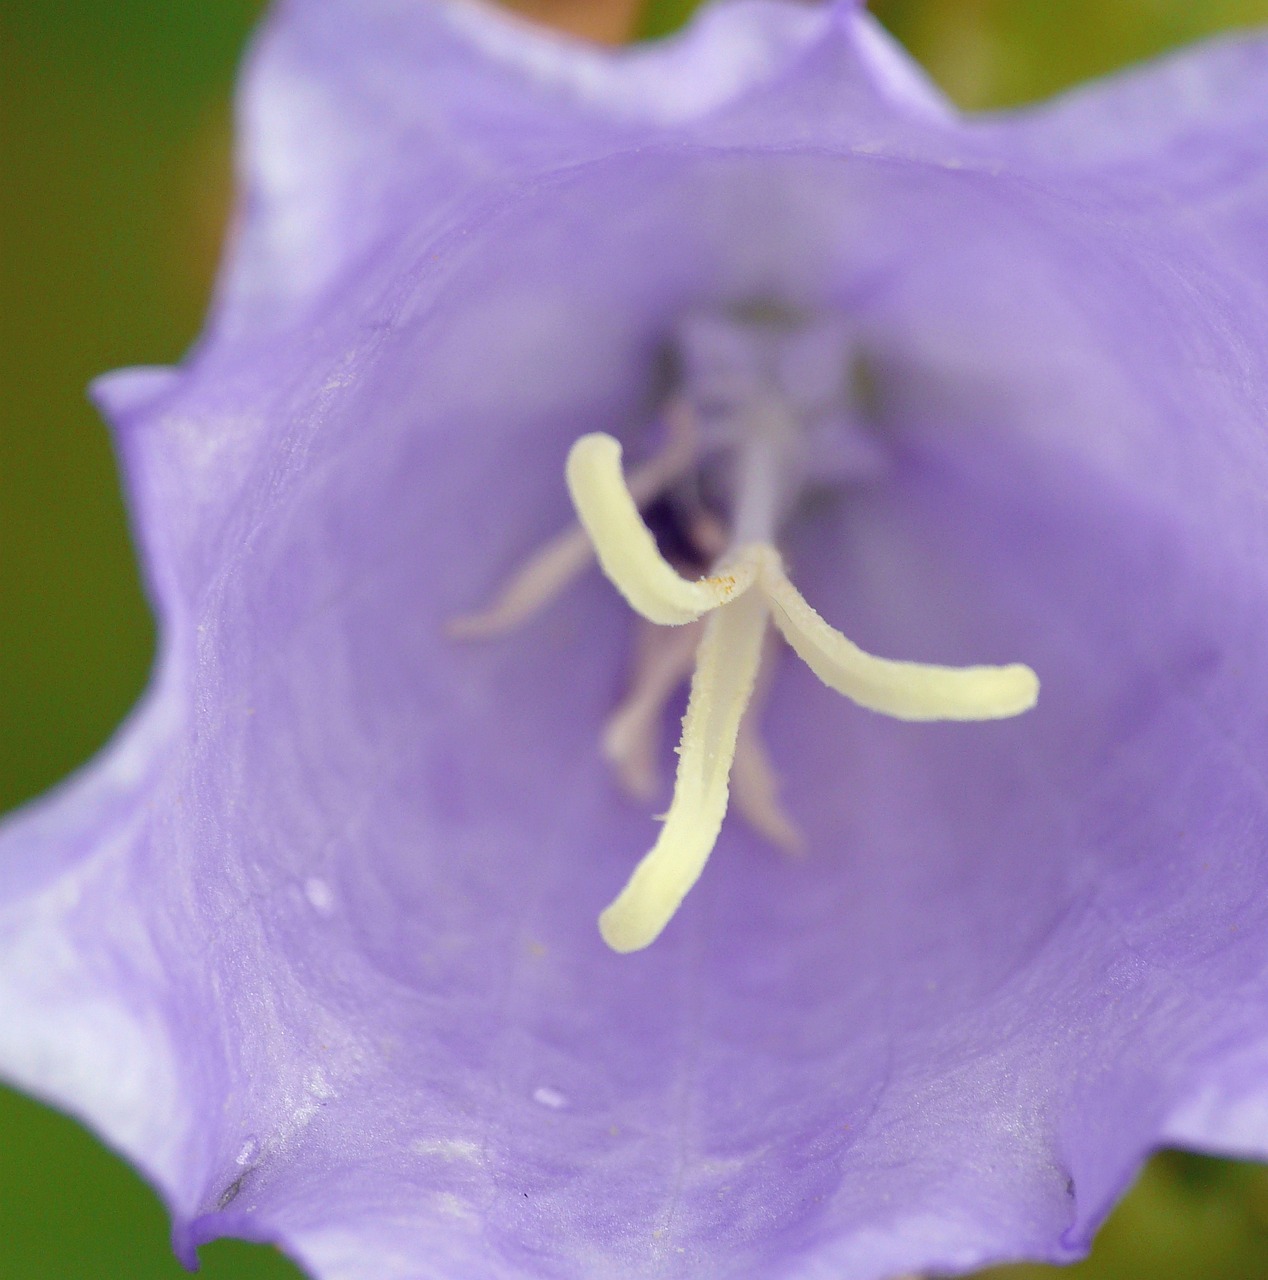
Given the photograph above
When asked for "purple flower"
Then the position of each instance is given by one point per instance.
(313, 942)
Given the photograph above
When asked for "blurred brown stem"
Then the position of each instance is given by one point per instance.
(606, 21)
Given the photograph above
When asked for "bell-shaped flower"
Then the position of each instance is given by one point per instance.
(313, 942)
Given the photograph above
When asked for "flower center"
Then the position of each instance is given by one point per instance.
(748, 434)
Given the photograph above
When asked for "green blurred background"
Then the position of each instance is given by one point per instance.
(115, 117)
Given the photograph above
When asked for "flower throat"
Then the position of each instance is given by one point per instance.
(761, 415)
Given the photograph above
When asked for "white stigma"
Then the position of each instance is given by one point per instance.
(748, 588)
(718, 625)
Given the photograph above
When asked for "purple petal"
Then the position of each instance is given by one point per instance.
(314, 942)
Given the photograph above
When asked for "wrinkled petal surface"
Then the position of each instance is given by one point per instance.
(313, 942)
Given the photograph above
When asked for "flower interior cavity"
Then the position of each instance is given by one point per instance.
(761, 417)
(311, 940)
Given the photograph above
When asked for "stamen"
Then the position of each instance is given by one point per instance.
(905, 690)
(630, 739)
(726, 668)
(540, 580)
(627, 549)
(754, 780)
(755, 784)
(537, 583)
